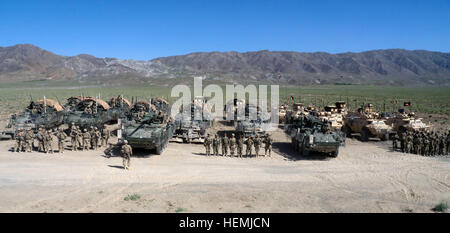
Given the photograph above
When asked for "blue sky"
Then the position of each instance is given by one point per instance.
(149, 29)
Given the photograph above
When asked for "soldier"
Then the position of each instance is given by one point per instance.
(105, 135)
(29, 138)
(240, 146)
(419, 144)
(61, 136)
(410, 143)
(248, 148)
(18, 147)
(442, 140)
(257, 144)
(93, 140)
(402, 141)
(394, 142)
(40, 138)
(98, 138)
(73, 127)
(268, 145)
(225, 145)
(48, 140)
(86, 139)
(126, 151)
(73, 137)
(207, 143)
(232, 145)
(426, 146)
(216, 144)
(448, 143)
(79, 137)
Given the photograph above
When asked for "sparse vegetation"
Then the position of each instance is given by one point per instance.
(180, 209)
(441, 207)
(132, 197)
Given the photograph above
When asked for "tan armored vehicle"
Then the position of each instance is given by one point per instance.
(298, 109)
(402, 122)
(282, 113)
(231, 109)
(334, 114)
(367, 123)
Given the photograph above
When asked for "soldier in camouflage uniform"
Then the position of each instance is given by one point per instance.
(73, 127)
(105, 135)
(442, 140)
(240, 146)
(48, 140)
(40, 138)
(29, 138)
(73, 137)
(207, 143)
(98, 138)
(61, 136)
(86, 139)
(248, 148)
(18, 147)
(216, 144)
(232, 145)
(268, 145)
(394, 142)
(93, 139)
(225, 145)
(79, 137)
(426, 146)
(257, 144)
(126, 151)
(402, 142)
(410, 143)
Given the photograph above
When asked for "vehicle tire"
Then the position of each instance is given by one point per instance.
(364, 135)
(335, 153)
(348, 132)
(159, 150)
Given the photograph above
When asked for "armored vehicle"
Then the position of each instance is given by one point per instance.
(147, 126)
(252, 127)
(309, 134)
(334, 114)
(119, 108)
(402, 122)
(232, 108)
(193, 123)
(45, 113)
(367, 123)
(90, 112)
(282, 113)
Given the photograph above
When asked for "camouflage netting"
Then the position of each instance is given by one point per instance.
(50, 103)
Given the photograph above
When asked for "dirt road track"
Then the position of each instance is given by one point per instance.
(366, 177)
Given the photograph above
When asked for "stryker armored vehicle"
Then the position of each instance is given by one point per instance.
(45, 113)
(402, 122)
(309, 135)
(90, 112)
(193, 123)
(252, 127)
(232, 108)
(147, 126)
(119, 107)
(367, 123)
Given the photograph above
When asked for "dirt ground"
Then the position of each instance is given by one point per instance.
(366, 177)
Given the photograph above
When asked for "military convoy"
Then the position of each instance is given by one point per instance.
(147, 126)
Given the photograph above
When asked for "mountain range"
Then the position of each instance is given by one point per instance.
(25, 62)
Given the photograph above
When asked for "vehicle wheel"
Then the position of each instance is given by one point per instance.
(364, 135)
(348, 132)
(335, 153)
(159, 150)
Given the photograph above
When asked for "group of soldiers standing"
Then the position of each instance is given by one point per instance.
(422, 143)
(231, 144)
(93, 139)
(86, 140)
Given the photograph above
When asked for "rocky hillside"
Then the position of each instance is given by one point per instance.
(390, 67)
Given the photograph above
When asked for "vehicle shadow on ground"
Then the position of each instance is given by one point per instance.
(115, 152)
(285, 150)
(115, 166)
